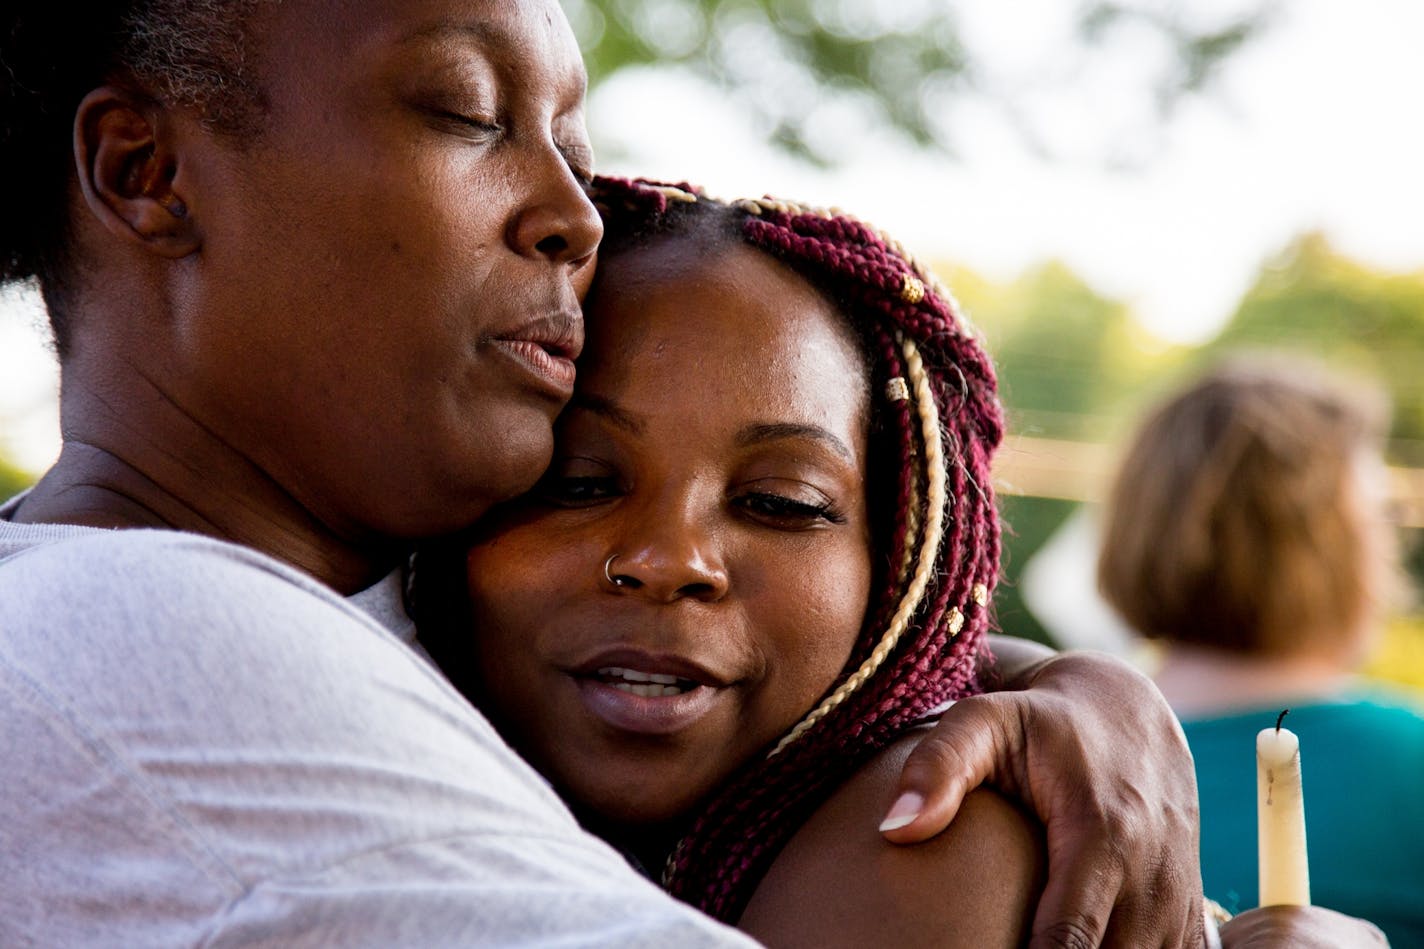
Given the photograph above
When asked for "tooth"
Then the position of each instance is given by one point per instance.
(661, 679)
(648, 691)
(629, 675)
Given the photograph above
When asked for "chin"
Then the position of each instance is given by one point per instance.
(639, 799)
(455, 498)
(510, 453)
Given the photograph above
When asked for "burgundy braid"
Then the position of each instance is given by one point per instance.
(733, 839)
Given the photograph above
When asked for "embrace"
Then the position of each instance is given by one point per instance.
(317, 274)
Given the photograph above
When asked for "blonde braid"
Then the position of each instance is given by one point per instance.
(912, 528)
(936, 476)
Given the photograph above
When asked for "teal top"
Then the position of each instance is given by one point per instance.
(1362, 767)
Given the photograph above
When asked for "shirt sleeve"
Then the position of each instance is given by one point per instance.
(203, 747)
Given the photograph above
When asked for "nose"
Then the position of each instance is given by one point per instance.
(558, 223)
(669, 561)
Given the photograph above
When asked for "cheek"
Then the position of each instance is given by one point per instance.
(822, 616)
(507, 579)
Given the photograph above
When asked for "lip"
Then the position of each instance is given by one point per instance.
(646, 715)
(546, 348)
(663, 715)
(631, 657)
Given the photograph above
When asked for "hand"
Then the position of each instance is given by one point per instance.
(1089, 745)
(1299, 927)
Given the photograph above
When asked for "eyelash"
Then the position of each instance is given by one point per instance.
(469, 122)
(561, 491)
(588, 491)
(777, 506)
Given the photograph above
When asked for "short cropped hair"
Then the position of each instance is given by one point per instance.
(1233, 522)
(192, 53)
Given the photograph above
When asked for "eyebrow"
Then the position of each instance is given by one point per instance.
(605, 408)
(773, 431)
(474, 30)
(748, 436)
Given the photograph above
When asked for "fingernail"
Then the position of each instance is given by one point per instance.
(904, 811)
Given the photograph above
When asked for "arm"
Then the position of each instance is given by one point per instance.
(205, 747)
(838, 883)
(1089, 745)
(1012, 661)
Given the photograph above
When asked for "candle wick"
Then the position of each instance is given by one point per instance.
(1281, 718)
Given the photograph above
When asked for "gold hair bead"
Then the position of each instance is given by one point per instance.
(675, 194)
(913, 290)
(956, 621)
(897, 389)
(980, 594)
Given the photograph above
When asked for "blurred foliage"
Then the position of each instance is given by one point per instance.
(1399, 657)
(902, 61)
(1070, 360)
(1028, 523)
(12, 480)
(1313, 300)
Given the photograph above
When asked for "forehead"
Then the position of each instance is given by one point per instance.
(530, 37)
(715, 325)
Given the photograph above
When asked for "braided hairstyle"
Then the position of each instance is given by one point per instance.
(191, 53)
(936, 421)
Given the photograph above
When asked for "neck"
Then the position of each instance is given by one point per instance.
(153, 465)
(1198, 681)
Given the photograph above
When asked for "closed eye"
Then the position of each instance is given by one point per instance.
(788, 511)
(567, 491)
(467, 123)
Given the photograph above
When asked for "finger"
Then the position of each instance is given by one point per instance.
(1078, 900)
(1161, 905)
(967, 747)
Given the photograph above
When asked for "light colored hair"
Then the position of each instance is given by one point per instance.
(1235, 520)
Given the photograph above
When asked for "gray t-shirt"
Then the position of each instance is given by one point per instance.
(202, 746)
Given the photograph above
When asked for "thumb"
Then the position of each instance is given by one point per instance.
(967, 747)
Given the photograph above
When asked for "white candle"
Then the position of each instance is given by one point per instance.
(1280, 819)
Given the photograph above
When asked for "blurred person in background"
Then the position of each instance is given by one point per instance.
(1246, 533)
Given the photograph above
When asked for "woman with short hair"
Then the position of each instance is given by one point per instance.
(1246, 535)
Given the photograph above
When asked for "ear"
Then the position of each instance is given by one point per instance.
(127, 167)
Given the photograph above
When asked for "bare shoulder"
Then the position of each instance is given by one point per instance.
(839, 883)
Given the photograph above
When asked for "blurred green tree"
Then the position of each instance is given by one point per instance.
(1073, 364)
(1313, 300)
(1070, 360)
(904, 60)
(12, 479)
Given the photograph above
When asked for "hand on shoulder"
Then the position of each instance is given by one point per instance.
(1086, 743)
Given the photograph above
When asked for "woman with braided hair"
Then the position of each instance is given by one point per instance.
(762, 555)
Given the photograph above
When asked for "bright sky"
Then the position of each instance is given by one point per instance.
(1313, 127)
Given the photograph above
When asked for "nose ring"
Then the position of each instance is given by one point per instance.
(618, 581)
